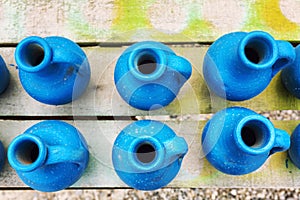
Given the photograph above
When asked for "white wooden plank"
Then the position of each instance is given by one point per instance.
(195, 170)
(127, 20)
(102, 99)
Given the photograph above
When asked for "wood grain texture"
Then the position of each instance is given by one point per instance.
(121, 21)
(278, 171)
(102, 99)
(132, 20)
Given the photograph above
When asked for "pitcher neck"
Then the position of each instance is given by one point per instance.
(27, 152)
(258, 51)
(254, 135)
(33, 55)
(147, 62)
(146, 154)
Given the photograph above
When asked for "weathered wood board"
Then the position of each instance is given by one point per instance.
(113, 24)
(278, 171)
(102, 99)
(131, 20)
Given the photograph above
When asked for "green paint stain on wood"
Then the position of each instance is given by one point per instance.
(171, 37)
(206, 177)
(266, 15)
(81, 27)
(288, 126)
(131, 15)
(77, 24)
(16, 17)
(199, 29)
(283, 100)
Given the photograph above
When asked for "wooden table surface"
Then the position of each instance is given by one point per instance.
(104, 29)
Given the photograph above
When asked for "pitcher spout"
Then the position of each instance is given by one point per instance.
(182, 66)
(176, 148)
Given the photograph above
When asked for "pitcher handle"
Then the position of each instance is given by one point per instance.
(181, 65)
(282, 141)
(286, 55)
(176, 148)
(61, 154)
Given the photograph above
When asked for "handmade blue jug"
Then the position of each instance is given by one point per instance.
(147, 154)
(148, 75)
(49, 156)
(290, 75)
(2, 156)
(239, 65)
(52, 70)
(294, 151)
(238, 141)
(5, 77)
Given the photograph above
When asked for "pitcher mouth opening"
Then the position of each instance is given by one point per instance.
(147, 63)
(254, 134)
(26, 153)
(146, 154)
(33, 54)
(258, 50)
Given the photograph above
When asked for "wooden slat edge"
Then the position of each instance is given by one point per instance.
(102, 99)
(195, 171)
(126, 20)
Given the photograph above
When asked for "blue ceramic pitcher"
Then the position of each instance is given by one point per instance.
(49, 156)
(239, 65)
(238, 141)
(53, 70)
(2, 155)
(148, 75)
(290, 75)
(294, 151)
(147, 154)
(5, 77)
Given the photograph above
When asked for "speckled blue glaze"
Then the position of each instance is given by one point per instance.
(49, 156)
(294, 151)
(52, 70)
(4, 76)
(239, 65)
(145, 88)
(290, 75)
(238, 141)
(2, 155)
(153, 173)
